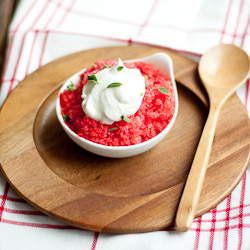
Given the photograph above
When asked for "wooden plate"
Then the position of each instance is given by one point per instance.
(136, 194)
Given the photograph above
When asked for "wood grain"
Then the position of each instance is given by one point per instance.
(136, 194)
(6, 10)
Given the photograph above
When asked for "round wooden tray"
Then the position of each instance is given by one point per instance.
(136, 194)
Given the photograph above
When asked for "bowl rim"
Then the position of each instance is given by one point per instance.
(126, 147)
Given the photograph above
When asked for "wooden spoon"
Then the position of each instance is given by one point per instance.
(222, 69)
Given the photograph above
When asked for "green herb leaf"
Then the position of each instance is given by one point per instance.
(66, 118)
(141, 94)
(125, 118)
(71, 86)
(146, 84)
(146, 77)
(92, 78)
(106, 66)
(112, 129)
(163, 90)
(120, 68)
(114, 84)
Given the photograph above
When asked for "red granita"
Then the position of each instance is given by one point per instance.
(154, 114)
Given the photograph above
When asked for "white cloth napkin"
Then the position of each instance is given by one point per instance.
(43, 30)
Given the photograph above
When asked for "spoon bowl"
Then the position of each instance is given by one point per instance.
(222, 69)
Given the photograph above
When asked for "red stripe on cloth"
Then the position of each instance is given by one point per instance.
(197, 235)
(25, 16)
(14, 211)
(211, 239)
(165, 47)
(31, 52)
(8, 80)
(242, 44)
(180, 29)
(47, 32)
(227, 221)
(22, 44)
(46, 35)
(67, 11)
(226, 20)
(148, 17)
(13, 199)
(238, 20)
(233, 208)
(53, 14)
(129, 42)
(222, 229)
(126, 41)
(245, 32)
(43, 47)
(96, 235)
(91, 15)
(5, 194)
(28, 224)
(17, 64)
(20, 223)
(242, 197)
(176, 28)
(12, 38)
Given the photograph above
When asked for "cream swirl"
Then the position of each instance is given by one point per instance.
(117, 91)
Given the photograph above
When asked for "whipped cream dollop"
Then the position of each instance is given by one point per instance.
(113, 93)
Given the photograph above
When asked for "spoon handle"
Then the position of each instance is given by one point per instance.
(190, 196)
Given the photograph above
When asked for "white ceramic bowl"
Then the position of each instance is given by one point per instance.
(160, 61)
